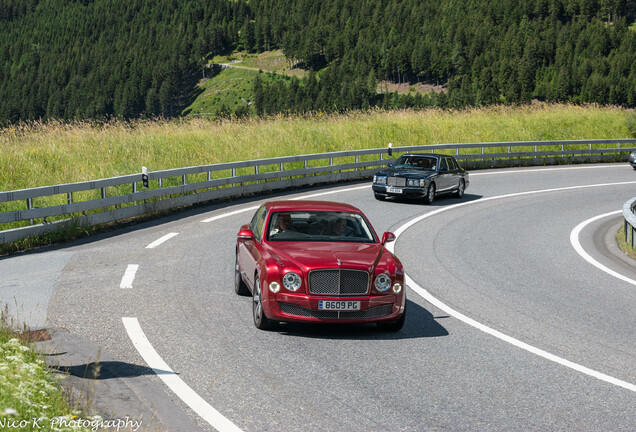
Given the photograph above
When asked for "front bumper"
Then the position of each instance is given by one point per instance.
(405, 191)
(304, 308)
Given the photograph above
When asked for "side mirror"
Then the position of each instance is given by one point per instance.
(246, 234)
(389, 165)
(388, 237)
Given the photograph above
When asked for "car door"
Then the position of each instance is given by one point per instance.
(455, 174)
(445, 181)
(250, 250)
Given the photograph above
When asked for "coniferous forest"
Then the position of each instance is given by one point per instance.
(95, 59)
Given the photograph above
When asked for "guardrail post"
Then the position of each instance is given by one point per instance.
(30, 206)
(134, 187)
(69, 198)
(183, 180)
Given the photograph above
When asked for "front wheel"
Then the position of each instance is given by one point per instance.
(430, 194)
(260, 320)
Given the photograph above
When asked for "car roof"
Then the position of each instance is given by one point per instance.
(434, 155)
(307, 205)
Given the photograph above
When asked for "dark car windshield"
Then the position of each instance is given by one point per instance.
(416, 162)
(322, 226)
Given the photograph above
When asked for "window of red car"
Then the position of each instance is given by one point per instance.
(319, 226)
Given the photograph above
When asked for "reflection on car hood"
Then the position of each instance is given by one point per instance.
(314, 255)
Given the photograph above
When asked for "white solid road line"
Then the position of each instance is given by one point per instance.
(157, 242)
(212, 219)
(172, 380)
(574, 240)
(437, 303)
(129, 276)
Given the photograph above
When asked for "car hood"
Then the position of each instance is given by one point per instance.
(320, 255)
(412, 173)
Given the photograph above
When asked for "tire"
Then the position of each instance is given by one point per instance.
(240, 287)
(430, 194)
(395, 325)
(379, 197)
(461, 187)
(260, 319)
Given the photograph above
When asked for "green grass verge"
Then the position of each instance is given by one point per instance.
(31, 398)
(624, 245)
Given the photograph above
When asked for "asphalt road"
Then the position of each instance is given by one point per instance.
(508, 327)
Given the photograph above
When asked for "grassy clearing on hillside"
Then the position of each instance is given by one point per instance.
(268, 61)
(54, 153)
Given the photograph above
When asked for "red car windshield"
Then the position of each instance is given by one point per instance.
(319, 226)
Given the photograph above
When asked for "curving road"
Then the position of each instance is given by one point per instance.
(514, 322)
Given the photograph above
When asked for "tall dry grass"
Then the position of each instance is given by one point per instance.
(49, 153)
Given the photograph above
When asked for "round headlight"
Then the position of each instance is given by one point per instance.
(274, 287)
(382, 282)
(291, 281)
(397, 288)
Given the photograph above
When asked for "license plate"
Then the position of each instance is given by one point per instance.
(341, 305)
(395, 190)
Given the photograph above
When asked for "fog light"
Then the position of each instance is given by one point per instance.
(397, 288)
(274, 287)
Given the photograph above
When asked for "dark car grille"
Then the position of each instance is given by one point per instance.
(338, 282)
(374, 312)
(396, 181)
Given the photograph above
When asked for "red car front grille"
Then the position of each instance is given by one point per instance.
(338, 282)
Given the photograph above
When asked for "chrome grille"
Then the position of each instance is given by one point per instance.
(338, 282)
(396, 181)
(374, 312)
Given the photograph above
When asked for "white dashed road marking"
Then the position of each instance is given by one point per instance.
(129, 276)
(157, 242)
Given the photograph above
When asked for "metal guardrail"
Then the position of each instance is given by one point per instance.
(629, 213)
(183, 186)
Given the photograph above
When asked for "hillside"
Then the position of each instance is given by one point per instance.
(141, 58)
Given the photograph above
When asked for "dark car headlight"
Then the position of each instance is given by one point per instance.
(379, 179)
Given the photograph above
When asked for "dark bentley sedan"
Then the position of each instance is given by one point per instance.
(415, 175)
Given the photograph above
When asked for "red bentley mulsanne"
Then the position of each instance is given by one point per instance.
(318, 261)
